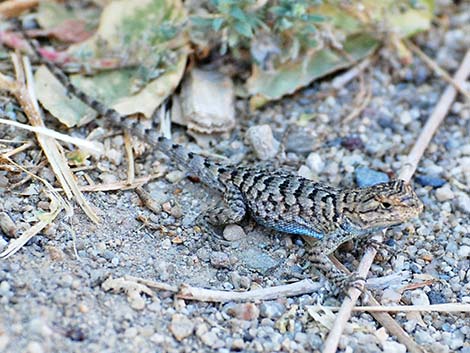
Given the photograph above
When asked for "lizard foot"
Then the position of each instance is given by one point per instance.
(343, 282)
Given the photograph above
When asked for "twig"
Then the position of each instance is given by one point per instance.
(385, 319)
(152, 284)
(406, 173)
(18, 149)
(441, 308)
(208, 295)
(130, 157)
(289, 290)
(147, 200)
(433, 122)
(118, 185)
(85, 144)
(343, 79)
(437, 69)
(361, 101)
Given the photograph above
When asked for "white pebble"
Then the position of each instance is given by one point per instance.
(444, 193)
(315, 163)
(262, 141)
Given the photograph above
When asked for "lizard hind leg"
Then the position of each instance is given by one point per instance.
(230, 210)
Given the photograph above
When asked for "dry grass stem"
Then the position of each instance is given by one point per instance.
(56, 206)
(85, 144)
(118, 185)
(25, 95)
(441, 308)
(24, 147)
(130, 158)
(440, 111)
(459, 86)
(341, 80)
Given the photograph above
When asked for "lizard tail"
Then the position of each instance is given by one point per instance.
(205, 169)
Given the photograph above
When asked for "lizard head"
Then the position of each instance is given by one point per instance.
(383, 205)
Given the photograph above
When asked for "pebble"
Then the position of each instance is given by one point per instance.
(436, 297)
(220, 259)
(272, 310)
(429, 180)
(315, 163)
(464, 251)
(406, 118)
(464, 203)
(444, 193)
(418, 297)
(233, 232)
(258, 260)
(368, 177)
(181, 326)
(34, 347)
(305, 172)
(7, 225)
(243, 311)
(262, 141)
(210, 339)
(393, 347)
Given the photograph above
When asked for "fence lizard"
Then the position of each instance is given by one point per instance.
(277, 198)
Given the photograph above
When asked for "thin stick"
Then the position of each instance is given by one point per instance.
(218, 296)
(305, 286)
(437, 69)
(441, 308)
(130, 157)
(88, 145)
(331, 343)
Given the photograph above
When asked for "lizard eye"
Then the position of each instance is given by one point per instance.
(386, 205)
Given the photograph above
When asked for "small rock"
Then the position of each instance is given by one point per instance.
(428, 180)
(210, 339)
(405, 118)
(175, 176)
(418, 297)
(258, 260)
(108, 178)
(464, 251)
(262, 141)
(436, 297)
(315, 163)
(7, 225)
(233, 232)
(367, 177)
(181, 326)
(305, 172)
(4, 288)
(272, 310)
(393, 347)
(464, 203)
(34, 347)
(352, 143)
(220, 259)
(243, 311)
(444, 193)
(389, 296)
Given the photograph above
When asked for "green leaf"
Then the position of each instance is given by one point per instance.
(217, 24)
(244, 29)
(237, 13)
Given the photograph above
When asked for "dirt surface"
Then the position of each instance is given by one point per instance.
(53, 295)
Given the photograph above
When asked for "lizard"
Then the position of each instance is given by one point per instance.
(278, 199)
